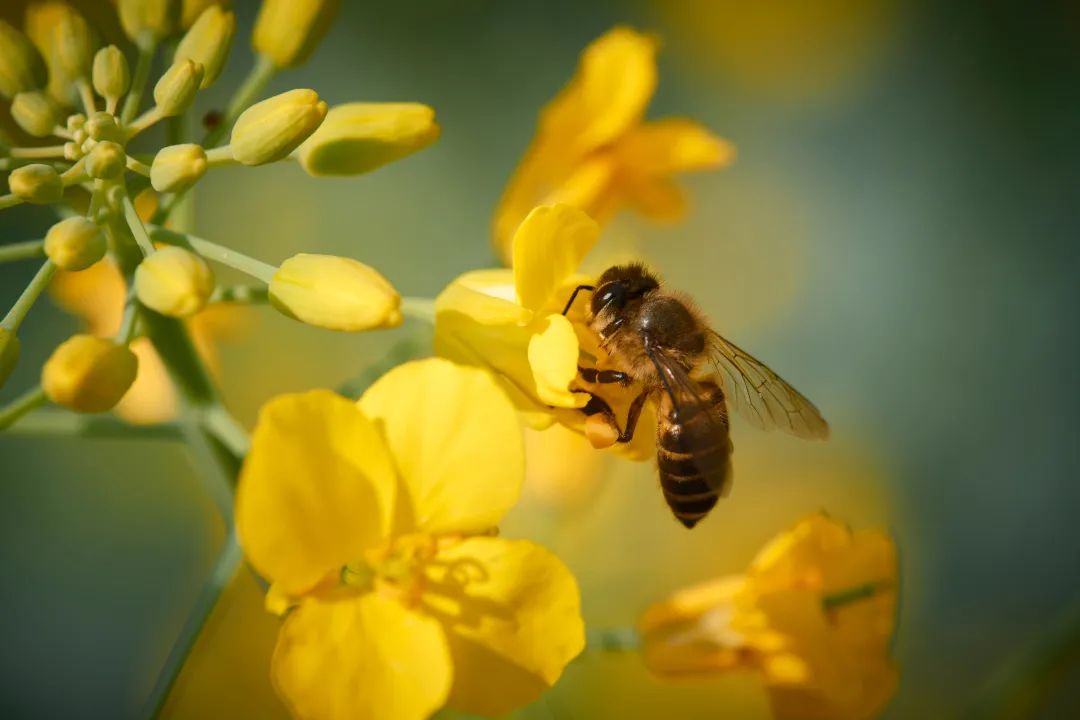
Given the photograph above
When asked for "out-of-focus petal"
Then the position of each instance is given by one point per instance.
(656, 198)
(511, 610)
(690, 632)
(152, 397)
(456, 443)
(673, 145)
(364, 658)
(95, 294)
(316, 490)
(548, 248)
(615, 80)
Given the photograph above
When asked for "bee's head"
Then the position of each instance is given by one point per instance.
(620, 285)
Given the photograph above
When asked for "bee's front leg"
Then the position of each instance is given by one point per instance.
(603, 377)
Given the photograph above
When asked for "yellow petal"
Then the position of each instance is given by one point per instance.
(615, 80)
(511, 610)
(455, 440)
(548, 247)
(672, 145)
(365, 658)
(315, 491)
(152, 397)
(655, 198)
(553, 357)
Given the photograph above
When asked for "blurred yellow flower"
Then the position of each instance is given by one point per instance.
(97, 296)
(510, 320)
(373, 521)
(594, 150)
(814, 615)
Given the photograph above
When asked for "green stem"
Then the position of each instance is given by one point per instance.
(137, 228)
(69, 424)
(618, 639)
(224, 568)
(218, 253)
(138, 82)
(248, 294)
(9, 200)
(29, 400)
(221, 424)
(855, 594)
(29, 296)
(36, 153)
(419, 308)
(27, 250)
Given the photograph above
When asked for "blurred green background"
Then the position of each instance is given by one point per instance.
(897, 238)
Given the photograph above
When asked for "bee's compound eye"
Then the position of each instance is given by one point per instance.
(610, 294)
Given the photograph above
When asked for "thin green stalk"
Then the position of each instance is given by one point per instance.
(221, 424)
(69, 424)
(248, 294)
(137, 228)
(9, 200)
(617, 639)
(218, 253)
(225, 566)
(27, 250)
(37, 153)
(31, 399)
(855, 594)
(138, 82)
(29, 296)
(419, 308)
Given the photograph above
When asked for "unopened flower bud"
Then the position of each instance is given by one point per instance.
(287, 31)
(359, 137)
(111, 74)
(208, 42)
(177, 167)
(176, 89)
(270, 130)
(106, 160)
(73, 45)
(149, 21)
(42, 21)
(9, 353)
(36, 112)
(192, 9)
(38, 184)
(174, 281)
(336, 293)
(102, 126)
(75, 244)
(21, 67)
(75, 123)
(89, 374)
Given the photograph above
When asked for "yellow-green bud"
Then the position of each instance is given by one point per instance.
(76, 122)
(148, 21)
(36, 112)
(177, 167)
(102, 126)
(73, 45)
(359, 137)
(42, 19)
(105, 161)
(38, 184)
(287, 31)
(192, 9)
(9, 353)
(89, 374)
(208, 42)
(336, 293)
(174, 281)
(111, 75)
(176, 89)
(273, 128)
(75, 243)
(21, 67)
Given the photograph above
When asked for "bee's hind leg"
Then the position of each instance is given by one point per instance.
(599, 406)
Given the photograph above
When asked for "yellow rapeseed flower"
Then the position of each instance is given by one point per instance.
(510, 321)
(373, 520)
(287, 31)
(359, 137)
(594, 150)
(814, 615)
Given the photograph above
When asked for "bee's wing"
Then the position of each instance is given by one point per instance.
(689, 401)
(761, 396)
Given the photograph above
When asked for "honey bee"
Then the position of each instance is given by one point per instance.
(658, 342)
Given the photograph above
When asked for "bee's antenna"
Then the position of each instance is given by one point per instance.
(573, 296)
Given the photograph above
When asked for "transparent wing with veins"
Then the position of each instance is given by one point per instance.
(761, 396)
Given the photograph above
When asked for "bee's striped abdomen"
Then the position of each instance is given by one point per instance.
(693, 455)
